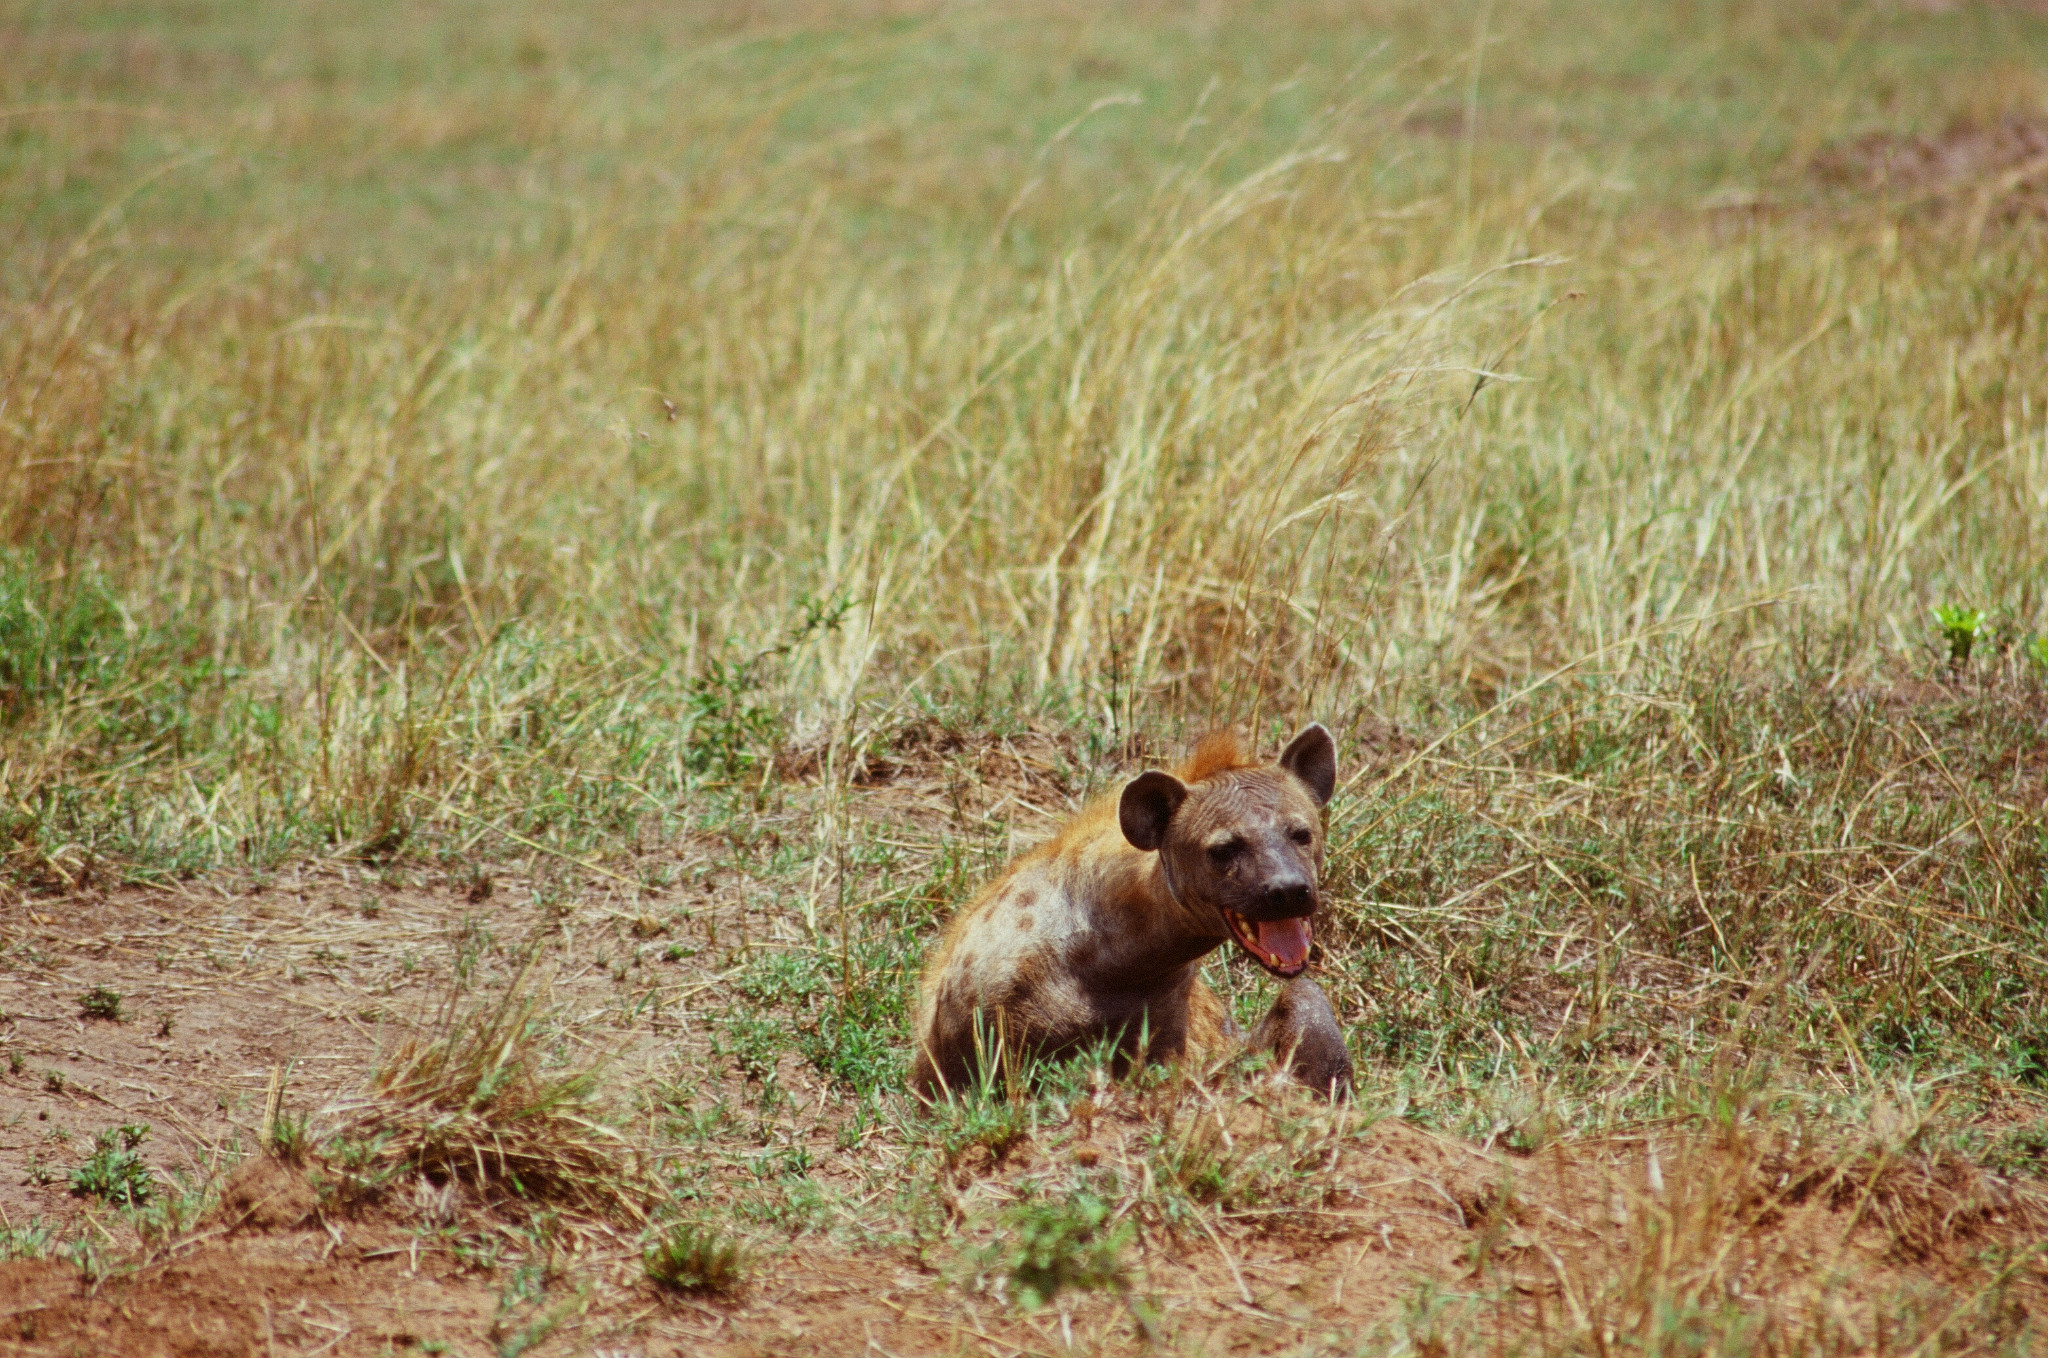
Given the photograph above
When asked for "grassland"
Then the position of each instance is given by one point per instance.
(556, 545)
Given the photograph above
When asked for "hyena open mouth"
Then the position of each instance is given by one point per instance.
(1278, 945)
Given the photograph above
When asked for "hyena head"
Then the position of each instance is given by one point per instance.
(1245, 842)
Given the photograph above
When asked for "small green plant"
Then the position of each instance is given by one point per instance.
(101, 1002)
(2019, 1150)
(729, 728)
(176, 1205)
(290, 1137)
(790, 1160)
(1960, 628)
(991, 1111)
(114, 1172)
(30, 1240)
(2037, 651)
(695, 1256)
(754, 1042)
(53, 1080)
(981, 1115)
(84, 1254)
(1052, 1244)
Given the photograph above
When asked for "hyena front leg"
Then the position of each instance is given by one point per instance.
(1302, 1033)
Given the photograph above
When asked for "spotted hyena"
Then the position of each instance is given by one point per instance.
(1099, 933)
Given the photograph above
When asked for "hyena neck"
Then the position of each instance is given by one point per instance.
(1152, 941)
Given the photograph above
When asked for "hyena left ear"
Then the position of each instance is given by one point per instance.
(1312, 757)
(1148, 803)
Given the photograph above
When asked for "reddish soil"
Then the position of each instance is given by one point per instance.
(269, 1274)
(317, 970)
(1998, 169)
(219, 992)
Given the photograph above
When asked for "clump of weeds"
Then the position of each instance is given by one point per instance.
(114, 1172)
(1054, 1242)
(695, 1256)
(476, 1102)
(101, 1002)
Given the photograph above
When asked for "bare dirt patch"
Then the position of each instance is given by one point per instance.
(1258, 1220)
(220, 992)
(296, 1292)
(1519, 1244)
(1997, 170)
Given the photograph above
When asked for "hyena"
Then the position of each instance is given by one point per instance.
(1099, 933)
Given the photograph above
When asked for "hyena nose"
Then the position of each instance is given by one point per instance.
(1289, 898)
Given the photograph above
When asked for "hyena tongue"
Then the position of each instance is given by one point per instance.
(1285, 941)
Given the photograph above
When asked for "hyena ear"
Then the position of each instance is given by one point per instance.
(1148, 803)
(1312, 757)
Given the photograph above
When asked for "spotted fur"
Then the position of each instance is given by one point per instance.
(1100, 932)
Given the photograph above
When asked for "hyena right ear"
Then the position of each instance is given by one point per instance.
(1148, 803)
(1312, 757)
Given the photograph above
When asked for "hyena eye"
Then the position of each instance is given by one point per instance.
(1221, 854)
(1302, 835)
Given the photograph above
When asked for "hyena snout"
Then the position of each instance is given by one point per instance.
(1287, 898)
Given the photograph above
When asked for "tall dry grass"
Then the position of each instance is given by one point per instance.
(1180, 416)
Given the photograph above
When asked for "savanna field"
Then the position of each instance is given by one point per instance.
(546, 548)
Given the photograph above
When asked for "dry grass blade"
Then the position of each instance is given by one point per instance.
(1747, 1231)
(475, 1102)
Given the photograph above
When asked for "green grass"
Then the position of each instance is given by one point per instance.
(30, 1240)
(101, 1002)
(695, 1257)
(487, 584)
(1052, 1245)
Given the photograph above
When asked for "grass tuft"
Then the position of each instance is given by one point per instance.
(29, 1240)
(101, 1002)
(695, 1256)
(481, 1102)
(1960, 628)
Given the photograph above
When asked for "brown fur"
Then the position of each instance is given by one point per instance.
(1217, 752)
(1090, 937)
